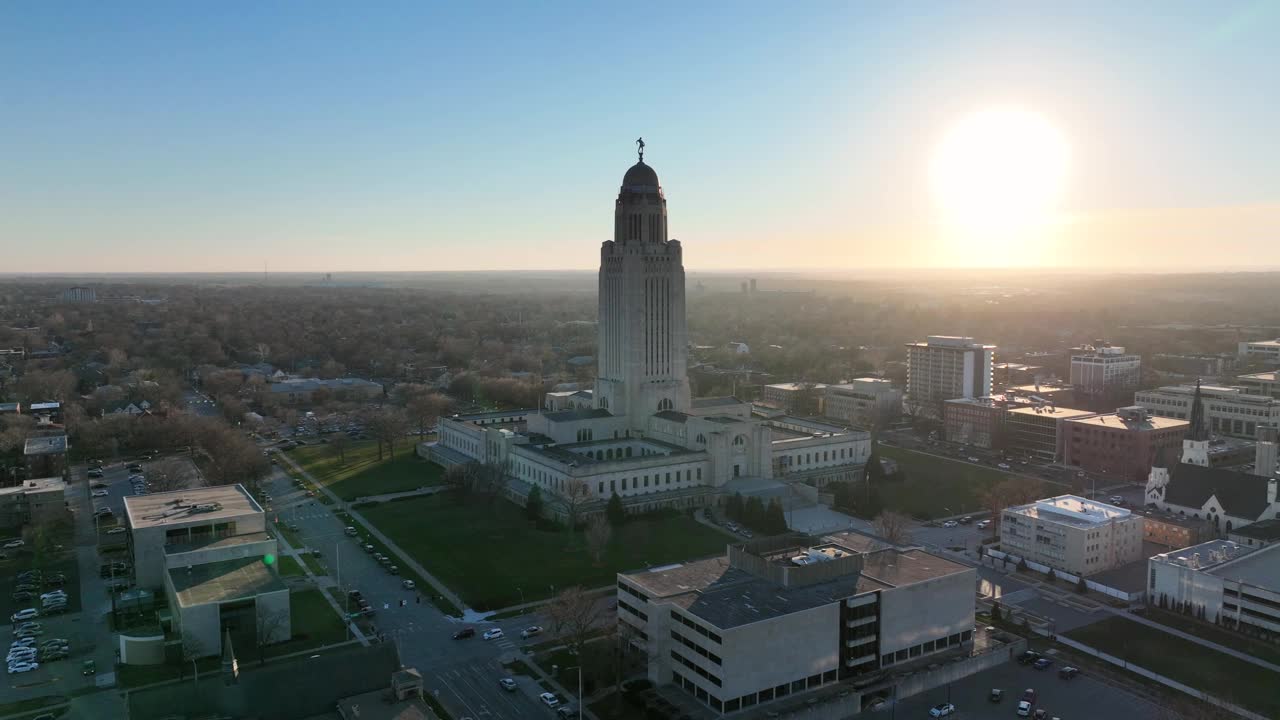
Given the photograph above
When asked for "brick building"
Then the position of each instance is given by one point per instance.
(1123, 444)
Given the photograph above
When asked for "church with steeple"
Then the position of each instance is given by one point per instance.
(637, 432)
(1227, 499)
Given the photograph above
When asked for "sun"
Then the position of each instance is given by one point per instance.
(998, 174)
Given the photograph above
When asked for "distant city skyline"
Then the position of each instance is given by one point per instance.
(318, 137)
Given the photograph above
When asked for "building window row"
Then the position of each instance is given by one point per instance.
(702, 672)
(633, 592)
(695, 647)
(1248, 597)
(704, 632)
(622, 605)
(925, 648)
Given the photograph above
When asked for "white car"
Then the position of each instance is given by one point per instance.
(974, 459)
(54, 594)
(116, 531)
(100, 493)
(950, 524)
(408, 585)
(492, 633)
(22, 667)
(14, 544)
(942, 710)
(531, 631)
(21, 615)
(1024, 709)
(1003, 466)
(21, 655)
(508, 684)
(549, 699)
(26, 626)
(24, 642)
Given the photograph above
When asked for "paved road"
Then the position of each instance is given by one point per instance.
(199, 404)
(1077, 699)
(463, 673)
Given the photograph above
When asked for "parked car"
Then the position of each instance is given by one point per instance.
(531, 631)
(394, 569)
(1003, 466)
(14, 544)
(1024, 709)
(1029, 695)
(408, 585)
(22, 667)
(942, 710)
(26, 614)
(1116, 500)
(549, 699)
(464, 633)
(135, 467)
(565, 711)
(23, 595)
(950, 524)
(966, 520)
(116, 531)
(493, 634)
(351, 532)
(508, 684)
(983, 524)
(973, 459)
(996, 695)
(1043, 663)
(95, 473)
(1028, 657)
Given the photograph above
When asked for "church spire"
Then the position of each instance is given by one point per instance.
(1199, 431)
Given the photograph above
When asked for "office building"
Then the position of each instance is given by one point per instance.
(862, 402)
(979, 422)
(208, 550)
(1072, 534)
(1221, 582)
(34, 502)
(945, 367)
(786, 615)
(1123, 444)
(794, 398)
(1053, 392)
(1229, 411)
(1263, 383)
(1103, 368)
(1036, 430)
(1173, 529)
(79, 295)
(1266, 352)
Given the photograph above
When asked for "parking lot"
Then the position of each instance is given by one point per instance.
(1078, 699)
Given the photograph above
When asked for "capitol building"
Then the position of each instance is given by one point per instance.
(638, 433)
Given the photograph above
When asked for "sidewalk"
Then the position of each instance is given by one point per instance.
(407, 493)
(312, 578)
(1199, 641)
(339, 503)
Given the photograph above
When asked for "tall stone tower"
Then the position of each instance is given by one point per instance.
(642, 337)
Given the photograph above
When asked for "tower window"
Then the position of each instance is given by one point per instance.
(665, 404)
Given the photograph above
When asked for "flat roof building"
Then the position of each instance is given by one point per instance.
(208, 550)
(864, 402)
(1229, 411)
(945, 367)
(1265, 351)
(1071, 534)
(1104, 368)
(1220, 581)
(1259, 534)
(1123, 444)
(34, 502)
(1263, 383)
(1037, 429)
(794, 397)
(789, 614)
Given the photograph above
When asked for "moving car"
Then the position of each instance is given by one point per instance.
(531, 631)
(12, 544)
(983, 524)
(408, 585)
(135, 467)
(1028, 657)
(1116, 500)
(95, 473)
(492, 634)
(464, 633)
(1068, 672)
(116, 531)
(942, 710)
(508, 684)
(1043, 663)
(88, 667)
(549, 699)
(950, 524)
(1003, 466)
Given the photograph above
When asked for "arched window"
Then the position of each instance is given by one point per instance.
(628, 452)
(609, 454)
(604, 403)
(702, 439)
(740, 440)
(665, 404)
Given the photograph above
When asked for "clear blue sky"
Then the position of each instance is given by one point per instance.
(324, 136)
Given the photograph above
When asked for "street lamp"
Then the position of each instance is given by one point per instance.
(556, 669)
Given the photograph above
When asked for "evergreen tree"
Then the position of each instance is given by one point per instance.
(735, 507)
(1051, 575)
(775, 518)
(533, 504)
(1081, 587)
(614, 510)
(753, 514)
(995, 612)
(875, 473)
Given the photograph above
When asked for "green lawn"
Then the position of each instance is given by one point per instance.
(1221, 675)
(288, 566)
(488, 552)
(363, 474)
(1258, 648)
(935, 484)
(314, 623)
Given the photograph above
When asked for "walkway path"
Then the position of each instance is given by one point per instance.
(339, 503)
(287, 549)
(1198, 640)
(432, 490)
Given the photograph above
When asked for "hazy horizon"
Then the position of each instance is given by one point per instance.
(157, 138)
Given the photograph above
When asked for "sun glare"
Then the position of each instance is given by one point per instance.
(997, 176)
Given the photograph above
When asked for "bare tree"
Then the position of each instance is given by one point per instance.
(892, 526)
(573, 614)
(193, 650)
(424, 408)
(338, 446)
(270, 625)
(387, 426)
(169, 474)
(598, 533)
(575, 495)
(263, 351)
(1008, 493)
